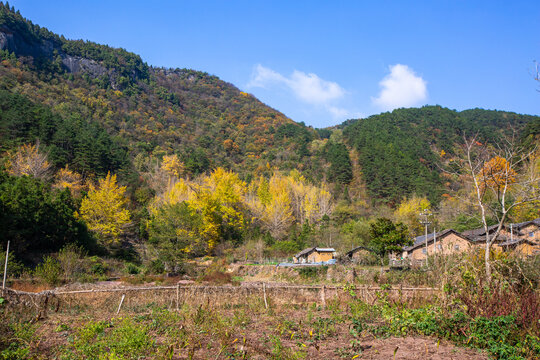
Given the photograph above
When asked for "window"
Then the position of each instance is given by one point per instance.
(439, 246)
(456, 247)
(424, 251)
(531, 234)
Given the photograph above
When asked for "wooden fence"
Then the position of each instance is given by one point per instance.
(175, 296)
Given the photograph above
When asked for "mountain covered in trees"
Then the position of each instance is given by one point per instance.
(180, 148)
(399, 152)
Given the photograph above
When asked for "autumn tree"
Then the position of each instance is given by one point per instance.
(104, 210)
(68, 179)
(172, 166)
(502, 177)
(218, 199)
(407, 213)
(29, 160)
(271, 205)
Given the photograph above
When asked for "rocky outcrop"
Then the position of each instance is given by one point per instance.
(47, 49)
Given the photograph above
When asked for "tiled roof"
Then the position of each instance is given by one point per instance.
(311, 249)
(305, 252)
(421, 240)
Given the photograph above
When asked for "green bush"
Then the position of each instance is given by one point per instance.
(49, 271)
(132, 269)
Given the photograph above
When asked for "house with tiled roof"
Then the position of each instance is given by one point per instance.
(444, 242)
(314, 255)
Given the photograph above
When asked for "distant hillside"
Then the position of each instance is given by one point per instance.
(399, 151)
(152, 111)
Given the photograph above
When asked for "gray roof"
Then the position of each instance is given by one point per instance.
(421, 240)
(308, 251)
(350, 253)
(526, 223)
(516, 241)
(305, 252)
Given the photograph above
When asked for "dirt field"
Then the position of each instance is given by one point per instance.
(218, 325)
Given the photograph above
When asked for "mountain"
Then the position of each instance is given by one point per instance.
(101, 109)
(147, 111)
(399, 152)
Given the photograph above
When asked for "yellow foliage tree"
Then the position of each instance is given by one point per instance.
(66, 178)
(28, 160)
(272, 205)
(104, 210)
(172, 165)
(408, 211)
(218, 198)
(496, 174)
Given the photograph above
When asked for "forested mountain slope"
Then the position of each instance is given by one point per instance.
(399, 151)
(103, 109)
(151, 111)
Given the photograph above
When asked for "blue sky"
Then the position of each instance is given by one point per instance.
(323, 62)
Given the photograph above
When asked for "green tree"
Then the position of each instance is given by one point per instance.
(387, 237)
(37, 218)
(173, 233)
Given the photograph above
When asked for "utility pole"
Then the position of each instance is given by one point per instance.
(424, 219)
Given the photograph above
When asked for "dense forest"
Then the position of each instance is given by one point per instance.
(101, 150)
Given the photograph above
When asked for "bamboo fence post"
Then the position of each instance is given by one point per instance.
(323, 296)
(121, 302)
(264, 295)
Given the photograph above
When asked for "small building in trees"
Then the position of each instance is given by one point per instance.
(520, 238)
(444, 242)
(521, 246)
(529, 230)
(360, 255)
(507, 234)
(314, 255)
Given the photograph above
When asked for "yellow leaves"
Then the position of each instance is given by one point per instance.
(28, 160)
(442, 153)
(279, 201)
(408, 211)
(497, 174)
(217, 197)
(71, 180)
(103, 210)
(172, 165)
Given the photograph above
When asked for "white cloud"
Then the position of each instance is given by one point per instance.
(337, 113)
(401, 88)
(309, 88)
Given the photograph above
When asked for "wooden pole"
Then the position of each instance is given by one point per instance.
(5, 266)
(323, 296)
(120, 305)
(177, 296)
(264, 295)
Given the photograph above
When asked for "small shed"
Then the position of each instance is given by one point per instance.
(314, 255)
(359, 254)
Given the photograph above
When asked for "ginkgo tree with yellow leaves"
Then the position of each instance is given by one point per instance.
(194, 216)
(104, 210)
(212, 210)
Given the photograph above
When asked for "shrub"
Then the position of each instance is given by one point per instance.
(70, 258)
(49, 271)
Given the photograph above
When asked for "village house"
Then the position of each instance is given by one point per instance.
(358, 254)
(529, 230)
(507, 234)
(445, 242)
(314, 255)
